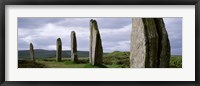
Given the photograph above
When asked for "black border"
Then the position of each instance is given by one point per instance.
(3, 3)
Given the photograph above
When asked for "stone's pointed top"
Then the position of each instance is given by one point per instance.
(58, 39)
(31, 43)
(73, 32)
(93, 21)
(93, 24)
(59, 42)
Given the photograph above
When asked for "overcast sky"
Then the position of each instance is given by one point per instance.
(115, 33)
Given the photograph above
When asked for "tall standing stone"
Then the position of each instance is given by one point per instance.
(74, 55)
(32, 53)
(91, 32)
(149, 43)
(164, 44)
(138, 50)
(96, 49)
(59, 50)
(152, 42)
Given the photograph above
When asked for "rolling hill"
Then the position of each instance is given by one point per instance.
(40, 53)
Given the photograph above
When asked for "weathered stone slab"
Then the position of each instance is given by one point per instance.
(91, 38)
(138, 44)
(96, 49)
(149, 43)
(59, 50)
(164, 44)
(32, 53)
(74, 55)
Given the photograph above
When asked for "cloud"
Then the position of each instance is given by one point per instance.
(113, 23)
(34, 23)
(116, 39)
(115, 33)
(45, 37)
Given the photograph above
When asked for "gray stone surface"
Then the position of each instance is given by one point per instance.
(150, 46)
(138, 44)
(32, 53)
(91, 32)
(96, 49)
(164, 44)
(74, 55)
(151, 42)
(59, 50)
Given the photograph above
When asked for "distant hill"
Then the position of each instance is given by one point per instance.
(40, 53)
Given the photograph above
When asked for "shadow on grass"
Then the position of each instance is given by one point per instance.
(86, 62)
(80, 61)
(43, 64)
(94, 66)
(29, 64)
(102, 66)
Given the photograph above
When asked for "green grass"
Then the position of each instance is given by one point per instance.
(63, 64)
(176, 62)
(52, 63)
(115, 59)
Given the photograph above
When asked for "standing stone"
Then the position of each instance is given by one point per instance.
(59, 50)
(147, 48)
(164, 44)
(74, 55)
(96, 49)
(32, 54)
(138, 50)
(152, 42)
(90, 52)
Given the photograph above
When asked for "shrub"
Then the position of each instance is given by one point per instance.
(117, 58)
(176, 62)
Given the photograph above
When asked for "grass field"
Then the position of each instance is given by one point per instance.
(116, 59)
(175, 62)
(65, 63)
